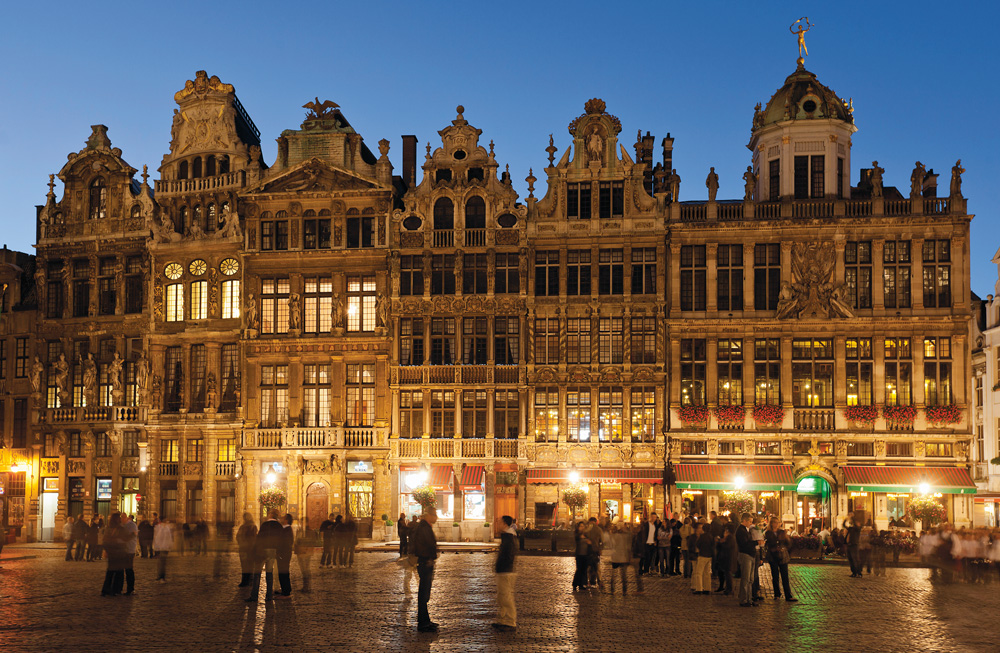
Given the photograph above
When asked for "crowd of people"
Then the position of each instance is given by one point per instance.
(969, 555)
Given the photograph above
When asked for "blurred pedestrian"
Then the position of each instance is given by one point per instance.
(424, 545)
(93, 540)
(582, 550)
(67, 532)
(145, 538)
(350, 541)
(163, 543)
(339, 538)
(725, 553)
(303, 552)
(777, 545)
(702, 580)
(128, 558)
(286, 544)
(401, 530)
(114, 541)
(746, 551)
(265, 553)
(506, 576)
(326, 530)
(596, 537)
(80, 532)
(623, 558)
(245, 538)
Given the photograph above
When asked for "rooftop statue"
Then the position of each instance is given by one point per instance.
(803, 26)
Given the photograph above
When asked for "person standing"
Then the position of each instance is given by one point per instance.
(80, 532)
(339, 538)
(777, 544)
(401, 529)
(131, 539)
(303, 552)
(747, 551)
(582, 551)
(663, 536)
(114, 541)
(674, 566)
(702, 583)
(622, 558)
(67, 531)
(163, 543)
(596, 537)
(265, 551)
(326, 530)
(424, 546)
(350, 541)
(854, 547)
(93, 540)
(145, 538)
(506, 576)
(286, 543)
(245, 538)
(725, 553)
(690, 543)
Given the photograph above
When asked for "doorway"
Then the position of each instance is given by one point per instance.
(317, 505)
(50, 505)
(812, 504)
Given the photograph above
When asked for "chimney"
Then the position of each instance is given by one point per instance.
(409, 160)
(668, 153)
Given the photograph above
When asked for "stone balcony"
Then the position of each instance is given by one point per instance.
(456, 374)
(471, 448)
(735, 210)
(225, 181)
(108, 415)
(352, 437)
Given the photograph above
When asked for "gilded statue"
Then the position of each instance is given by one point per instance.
(799, 28)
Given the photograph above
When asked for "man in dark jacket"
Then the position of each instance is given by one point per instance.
(326, 529)
(647, 536)
(146, 538)
(80, 532)
(265, 550)
(506, 576)
(423, 544)
(747, 551)
(401, 530)
(853, 548)
(284, 556)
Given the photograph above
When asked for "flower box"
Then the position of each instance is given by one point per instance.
(950, 414)
(768, 415)
(692, 415)
(899, 414)
(730, 414)
(863, 415)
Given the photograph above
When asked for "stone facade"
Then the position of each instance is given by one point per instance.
(985, 337)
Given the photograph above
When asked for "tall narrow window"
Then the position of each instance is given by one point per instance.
(730, 372)
(898, 372)
(274, 305)
(54, 289)
(937, 273)
(644, 271)
(443, 274)
(318, 298)
(643, 408)
(774, 180)
(231, 299)
(411, 341)
(506, 340)
(810, 177)
(506, 414)
(812, 373)
(609, 413)
(578, 340)
(858, 273)
(693, 278)
(134, 285)
(98, 199)
(273, 395)
(107, 291)
(360, 231)
(173, 377)
(643, 340)
(767, 371)
(578, 200)
(199, 367)
(611, 265)
(195, 450)
(81, 288)
(360, 394)
(578, 415)
(20, 424)
(546, 414)
(766, 276)
(859, 372)
(475, 214)
(508, 277)
(411, 275)
(443, 341)
(20, 358)
(175, 302)
(729, 277)
(547, 273)
(230, 377)
(3, 362)
(578, 272)
(937, 371)
(199, 300)
(361, 303)
(474, 413)
(411, 413)
(546, 341)
(442, 413)
(610, 340)
(474, 274)
(896, 273)
(694, 359)
(474, 341)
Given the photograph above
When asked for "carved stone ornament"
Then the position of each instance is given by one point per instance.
(50, 467)
(76, 466)
(315, 466)
(813, 291)
(102, 466)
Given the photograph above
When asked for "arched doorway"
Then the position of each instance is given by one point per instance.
(812, 509)
(317, 505)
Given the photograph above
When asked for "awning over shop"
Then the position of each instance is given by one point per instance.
(596, 475)
(988, 497)
(877, 478)
(724, 477)
(472, 478)
(440, 477)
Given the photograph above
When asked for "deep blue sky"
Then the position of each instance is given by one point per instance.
(923, 77)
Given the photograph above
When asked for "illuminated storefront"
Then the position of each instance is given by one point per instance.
(883, 492)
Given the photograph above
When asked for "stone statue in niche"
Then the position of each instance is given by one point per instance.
(595, 146)
(337, 312)
(211, 392)
(230, 224)
(89, 379)
(917, 179)
(115, 376)
(294, 314)
(142, 376)
(382, 310)
(251, 311)
(36, 376)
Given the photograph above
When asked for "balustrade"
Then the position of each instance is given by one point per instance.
(444, 238)
(168, 469)
(225, 468)
(475, 237)
(814, 420)
(505, 448)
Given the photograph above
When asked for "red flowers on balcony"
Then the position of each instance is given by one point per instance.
(899, 414)
(730, 414)
(768, 414)
(861, 414)
(693, 414)
(949, 414)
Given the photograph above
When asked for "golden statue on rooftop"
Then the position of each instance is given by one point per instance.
(799, 28)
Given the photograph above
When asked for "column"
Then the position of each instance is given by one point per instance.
(748, 273)
(712, 372)
(749, 390)
(712, 263)
(674, 277)
(917, 271)
(878, 289)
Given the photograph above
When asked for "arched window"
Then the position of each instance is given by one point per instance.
(223, 164)
(196, 167)
(444, 214)
(196, 218)
(98, 199)
(136, 211)
(475, 213)
(210, 166)
(182, 170)
(213, 218)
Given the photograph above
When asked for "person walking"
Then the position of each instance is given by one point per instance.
(67, 532)
(690, 546)
(114, 541)
(163, 543)
(265, 551)
(582, 550)
(747, 551)
(145, 538)
(80, 532)
(854, 547)
(93, 540)
(401, 530)
(350, 541)
(326, 530)
(622, 558)
(245, 538)
(596, 537)
(131, 540)
(676, 540)
(648, 534)
(286, 544)
(777, 544)
(865, 547)
(725, 552)
(303, 552)
(702, 583)
(339, 538)
(424, 545)
(663, 536)
(506, 576)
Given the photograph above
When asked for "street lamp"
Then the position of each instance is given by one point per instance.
(739, 482)
(574, 477)
(925, 488)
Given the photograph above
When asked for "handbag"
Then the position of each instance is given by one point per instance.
(783, 556)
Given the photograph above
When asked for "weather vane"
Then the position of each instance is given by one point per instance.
(803, 25)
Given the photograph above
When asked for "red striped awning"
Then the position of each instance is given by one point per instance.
(472, 478)
(988, 497)
(727, 477)
(440, 477)
(884, 478)
(596, 475)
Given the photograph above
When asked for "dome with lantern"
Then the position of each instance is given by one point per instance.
(803, 97)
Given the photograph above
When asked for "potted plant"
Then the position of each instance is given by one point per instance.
(768, 415)
(574, 497)
(693, 415)
(389, 527)
(730, 415)
(487, 532)
(456, 530)
(927, 510)
(271, 497)
(944, 415)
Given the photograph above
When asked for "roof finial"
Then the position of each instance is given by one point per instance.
(803, 26)
(531, 182)
(428, 149)
(551, 149)
(52, 185)
(145, 173)
(491, 147)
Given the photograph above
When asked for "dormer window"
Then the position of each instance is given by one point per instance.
(443, 174)
(476, 174)
(98, 199)
(809, 173)
(444, 214)
(475, 213)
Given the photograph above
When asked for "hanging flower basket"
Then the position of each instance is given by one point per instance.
(949, 414)
(426, 497)
(899, 414)
(768, 415)
(272, 497)
(737, 502)
(730, 414)
(693, 414)
(861, 414)
(927, 510)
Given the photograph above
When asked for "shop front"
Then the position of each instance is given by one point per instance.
(361, 494)
(473, 494)
(987, 510)
(441, 478)
(813, 496)
(883, 493)
(504, 495)
(702, 488)
(625, 494)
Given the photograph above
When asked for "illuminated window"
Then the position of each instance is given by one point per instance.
(361, 303)
(316, 395)
(939, 450)
(693, 365)
(609, 414)
(898, 372)
(859, 372)
(812, 373)
(643, 409)
(578, 415)
(318, 299)
(175, 302)
(230, 299)
(730, 372)
(767, 372)
(360, 395)
(195, 450)
(546, 414)
(273, 395)
(274, 305)
(227, 450)
(411, 413)
(199, 300)
(937, 371)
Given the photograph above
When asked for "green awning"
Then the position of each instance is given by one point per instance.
(879, 478)
(724, 477)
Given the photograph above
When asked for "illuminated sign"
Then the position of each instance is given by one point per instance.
(103, 489)
(76, 490)
(51, 485)
(359, 467)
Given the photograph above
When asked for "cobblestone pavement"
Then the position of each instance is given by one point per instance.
(49, 604)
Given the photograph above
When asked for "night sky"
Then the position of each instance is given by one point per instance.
(924, 82)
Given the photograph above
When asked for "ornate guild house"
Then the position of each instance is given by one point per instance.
(347, 334)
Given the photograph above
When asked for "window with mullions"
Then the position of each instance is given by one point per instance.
(898, 372)
(443, 341)
(609, 412)
(175, 302)
(173, 379)
(81, 348)
(547, 273)
(643, 408)
(130, 444)
(274, 305)
(578, 340)
(578, 415)
(730, 372)
(858, 273)
(443, 274)
(812, 373)
(75, 446)
(360, 394)
(20, 424)
(81, 289)
(20, 358)
(896, 273)
(315, 231)
(578, 200)
(546, 341)
(411, 275)
(475, 339)
(199, 300)
(411, 341)
(546, 414)
(611, 347)
(693, 278)
(106, 353)
(442, 413)
(729, 277)
(98, 199)
(611, 268)
(107, 290)
(939, 450)
(199, 367)
(859, 372)
(273, 395)
(506, 340)
(508, 276)
(134, 285)
(506, 414)
(937, 371)
(474, 414)
(54, 288)
(694, 357)
(809, 177)
(643, 340)
(360, 303)
(578, 272)
(318, 298)
(230, 377)
(474, 274)
(644, 271)
(411, 413)
(774, 180)
(766, 276)
(231, 299)
(937, 273)
(226, 450)
(767, 372)
(195, 450)
(610, 199)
